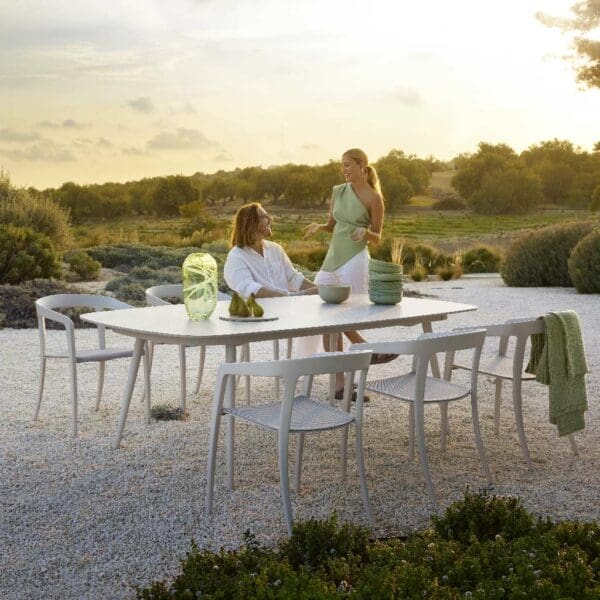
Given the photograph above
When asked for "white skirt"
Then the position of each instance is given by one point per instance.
(354, 273)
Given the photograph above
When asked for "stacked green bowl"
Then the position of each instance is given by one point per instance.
(385, 282)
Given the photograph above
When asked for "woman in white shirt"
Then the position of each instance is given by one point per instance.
(257, 266)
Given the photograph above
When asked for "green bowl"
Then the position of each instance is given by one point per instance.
(334, 294)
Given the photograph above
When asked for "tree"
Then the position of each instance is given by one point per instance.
(586, 18)
(488, 160)
(171, 193)
(511, 191)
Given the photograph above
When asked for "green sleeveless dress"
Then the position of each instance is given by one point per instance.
(349, 213)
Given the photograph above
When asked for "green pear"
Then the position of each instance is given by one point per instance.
(243, 310)
(256, 309)
(234, 305)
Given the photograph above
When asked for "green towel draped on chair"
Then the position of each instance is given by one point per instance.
(558, 360)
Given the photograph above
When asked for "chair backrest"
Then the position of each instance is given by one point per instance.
(515, 327)
(318, 364)
(155, 295)
(79, 301)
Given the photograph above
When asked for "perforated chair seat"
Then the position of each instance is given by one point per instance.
(500, 366)
(403, 388)
(96, 355)
(307, 415)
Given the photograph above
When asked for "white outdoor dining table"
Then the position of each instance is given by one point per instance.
(297, 316)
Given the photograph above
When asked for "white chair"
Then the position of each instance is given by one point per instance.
(293, 414)
(503, 366)
(417, 388)
(46, 309)
(156, 296)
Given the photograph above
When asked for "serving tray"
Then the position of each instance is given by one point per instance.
(248, 319)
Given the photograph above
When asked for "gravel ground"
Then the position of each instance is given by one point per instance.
(79, 520)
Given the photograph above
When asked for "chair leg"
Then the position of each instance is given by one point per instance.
(516, 389)
(248, 384)
(36, 410)
(344, 453)
(478, 439)
(73, 369)
(212, 459)
(497, 403)
(360, 461)
(298, 473)
(290, 346)
(182, 377)
(200, 369)
(284, 481)
(411, 432)
(444, 425)
(420, 423)
(101, 368)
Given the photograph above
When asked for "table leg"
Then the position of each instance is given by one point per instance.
(147, 396)
(134, 366)
(333, 340)
(276, 380)
(230, 403)
(435, 367)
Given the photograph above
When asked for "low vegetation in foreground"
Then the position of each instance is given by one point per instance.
(482, 547)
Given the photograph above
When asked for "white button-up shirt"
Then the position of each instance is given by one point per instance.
(246, 271)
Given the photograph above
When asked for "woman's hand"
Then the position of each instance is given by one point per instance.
(359, 234)
(311, 229)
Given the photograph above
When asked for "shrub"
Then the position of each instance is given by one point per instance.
(26, 254)
(449, 204)
(19, 208)
(481, 547)
(131, 287)
(82, 266)
(483, 517)
(584, 264)
(481, 259)
(540, 258)
(125, 257)
(17, 309)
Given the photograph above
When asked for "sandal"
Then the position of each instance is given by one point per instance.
(379, 359)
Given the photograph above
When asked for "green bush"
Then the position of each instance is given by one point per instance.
(26, 254)
(125, 257)
(584, 264)
(20, 208)
(449, 204)
(82, 265)
(540, 259)
(131, 287)
(481, 259)
(481, 547)
(17, 308)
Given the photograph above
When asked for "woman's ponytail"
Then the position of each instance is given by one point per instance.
(373, 179)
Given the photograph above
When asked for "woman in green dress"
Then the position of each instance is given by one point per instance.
(355, 221)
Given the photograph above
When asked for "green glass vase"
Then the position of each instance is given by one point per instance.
(199, 285)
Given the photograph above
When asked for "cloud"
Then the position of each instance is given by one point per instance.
(405, 96)
(186, 109)
(10, 135)
(44, 150)
(66, 124)
(223, 157)
(181, 139)
(141, 105)
(310, 146)
(104, 143)
(133, 151)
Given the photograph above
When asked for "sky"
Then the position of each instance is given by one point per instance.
(94, 90)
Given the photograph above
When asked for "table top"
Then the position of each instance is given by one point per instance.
(298, 316)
